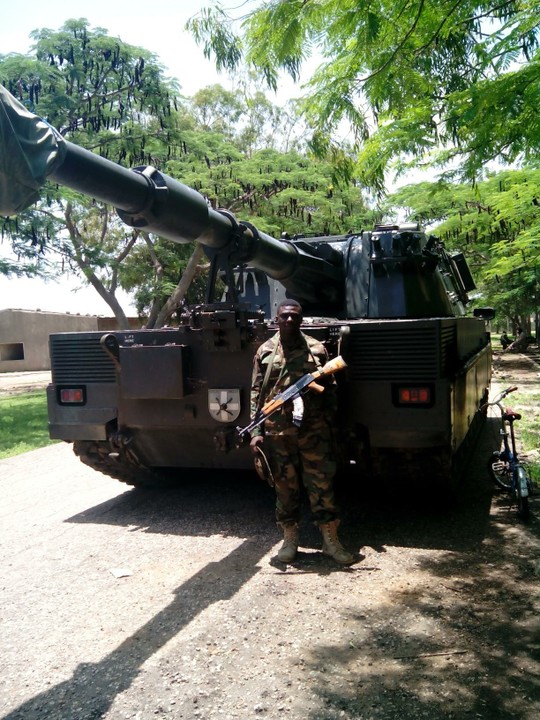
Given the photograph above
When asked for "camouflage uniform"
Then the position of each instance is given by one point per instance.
(297, 454)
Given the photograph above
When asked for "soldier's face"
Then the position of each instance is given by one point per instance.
(289, 319)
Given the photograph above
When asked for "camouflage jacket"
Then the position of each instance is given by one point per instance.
(289, 364)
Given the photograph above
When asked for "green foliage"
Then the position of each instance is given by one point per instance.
(23, 423)
(216, 109)
(213, 24)
(104, 95)
(442, 80)
(528, 432)
(16, 268)
(92, 88)
(279, 192)
(151, 283)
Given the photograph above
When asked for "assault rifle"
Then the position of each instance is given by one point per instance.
(306, 382)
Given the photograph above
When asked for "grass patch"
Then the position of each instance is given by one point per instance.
(528, 430)
(23, 423)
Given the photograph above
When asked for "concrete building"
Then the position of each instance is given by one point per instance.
(24, 335)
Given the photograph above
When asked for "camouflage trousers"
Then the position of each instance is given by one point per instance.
(303, 458)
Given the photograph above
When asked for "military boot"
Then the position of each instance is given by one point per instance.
(332, 546)
(287, 552)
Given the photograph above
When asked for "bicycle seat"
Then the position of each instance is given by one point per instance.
(510, 415)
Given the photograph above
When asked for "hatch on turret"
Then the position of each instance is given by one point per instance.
(397, 271)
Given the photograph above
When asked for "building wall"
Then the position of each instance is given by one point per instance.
(24, 336)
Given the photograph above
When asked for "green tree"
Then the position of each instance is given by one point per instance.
(280, 192)
(456, 84)
(106, 96)
(216, 109)
(247, 117)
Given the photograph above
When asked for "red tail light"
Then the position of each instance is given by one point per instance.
(414, 395)
(71, 396)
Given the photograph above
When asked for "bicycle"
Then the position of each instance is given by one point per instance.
(504, 466)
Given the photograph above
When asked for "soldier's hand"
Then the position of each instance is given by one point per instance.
(255, 443)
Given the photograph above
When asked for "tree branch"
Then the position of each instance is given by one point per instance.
(390, 60)
(175, 300)
(107, 295)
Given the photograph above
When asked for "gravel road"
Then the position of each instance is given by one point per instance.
(129, 603)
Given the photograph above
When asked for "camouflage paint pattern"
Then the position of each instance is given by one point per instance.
(297, 455)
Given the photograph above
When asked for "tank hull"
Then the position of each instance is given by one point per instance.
(154, 408)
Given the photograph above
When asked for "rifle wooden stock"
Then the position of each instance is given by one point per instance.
(305, 383)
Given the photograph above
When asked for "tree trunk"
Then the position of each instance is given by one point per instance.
(175, 300)
(108, 295)
(159, 273)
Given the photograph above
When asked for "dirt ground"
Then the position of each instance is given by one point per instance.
(13, 383)
(129, 603)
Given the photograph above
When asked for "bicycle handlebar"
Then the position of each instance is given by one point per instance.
(500, 396)
(504, 393)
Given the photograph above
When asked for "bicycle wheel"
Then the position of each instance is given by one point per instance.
(500, 471)
(523, 508)
(522, 494)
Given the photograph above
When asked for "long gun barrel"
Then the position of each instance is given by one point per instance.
(31, 151)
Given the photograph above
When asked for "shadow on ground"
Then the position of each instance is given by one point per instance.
(91, 690)
(477, 665)
(239, 504)
(464, 643)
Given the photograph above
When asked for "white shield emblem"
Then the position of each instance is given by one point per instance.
(223, 404)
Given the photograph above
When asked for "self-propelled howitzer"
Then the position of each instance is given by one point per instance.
(390, 300)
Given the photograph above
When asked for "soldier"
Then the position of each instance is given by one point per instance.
(298, 436)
